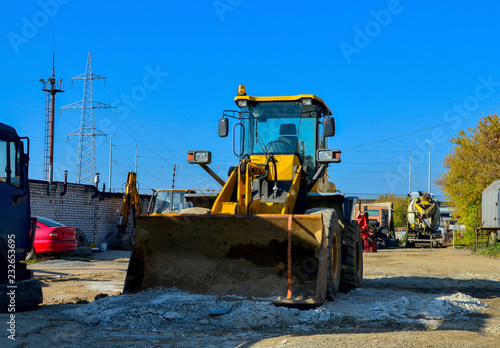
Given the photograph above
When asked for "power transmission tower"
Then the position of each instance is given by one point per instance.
(86, 163)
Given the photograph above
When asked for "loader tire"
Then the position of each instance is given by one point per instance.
(351, 275)
(334, 249)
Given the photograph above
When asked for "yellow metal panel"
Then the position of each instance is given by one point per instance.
(228, 208)
(225, 194)
(291, 197)
(270, 208)
(323, 185)
(284, 165)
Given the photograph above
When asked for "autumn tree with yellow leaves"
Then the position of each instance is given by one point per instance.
(399, 208)
(471, 166)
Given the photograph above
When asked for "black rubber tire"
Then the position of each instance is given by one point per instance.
(410, 244)
(28, 295)
(334, 249)
(351, 276)
(81, 238)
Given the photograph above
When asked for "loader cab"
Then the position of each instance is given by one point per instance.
(293, 125)
(170, 201)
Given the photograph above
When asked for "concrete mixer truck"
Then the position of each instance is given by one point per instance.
(423, 221)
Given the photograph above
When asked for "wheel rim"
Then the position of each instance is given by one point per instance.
(359, 261)
(336, 262)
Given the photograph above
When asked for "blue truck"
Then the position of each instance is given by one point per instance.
(18, 290)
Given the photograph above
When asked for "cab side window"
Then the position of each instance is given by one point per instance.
(3, 161)
(10, 163)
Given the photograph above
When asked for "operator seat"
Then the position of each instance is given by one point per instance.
(287, 142)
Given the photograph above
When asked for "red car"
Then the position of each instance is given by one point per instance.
(53, 237)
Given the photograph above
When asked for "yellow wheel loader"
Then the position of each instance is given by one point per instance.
(277, 230)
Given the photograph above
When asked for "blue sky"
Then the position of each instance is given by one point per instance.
(385, 68)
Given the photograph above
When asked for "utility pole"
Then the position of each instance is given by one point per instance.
(429, 183)
(409, 177)
(52, 88)
(110, 158)
(173, 179)
(172, 192)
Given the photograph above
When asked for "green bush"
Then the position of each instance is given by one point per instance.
(492, 250)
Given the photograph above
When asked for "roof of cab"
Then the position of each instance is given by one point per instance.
(324, 108)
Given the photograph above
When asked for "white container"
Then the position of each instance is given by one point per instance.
(490, 212)
(104, 246)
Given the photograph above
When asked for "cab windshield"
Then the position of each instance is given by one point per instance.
(170, 201)
(280, 128)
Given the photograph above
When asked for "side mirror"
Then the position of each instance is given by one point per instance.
(329, 126)
(223, 127)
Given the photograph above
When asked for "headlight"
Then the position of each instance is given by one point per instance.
(328, 156)
(242, 103)
(307, 101)
(199, 157)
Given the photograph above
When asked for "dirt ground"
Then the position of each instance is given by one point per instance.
(400, 276)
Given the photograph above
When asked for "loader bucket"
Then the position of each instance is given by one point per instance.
(231, 255)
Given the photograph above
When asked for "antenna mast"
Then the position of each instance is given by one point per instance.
(51, 87)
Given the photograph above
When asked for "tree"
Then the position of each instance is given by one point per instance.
(472, 164)
(399, 208)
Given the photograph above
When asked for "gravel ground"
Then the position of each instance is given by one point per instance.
(450, 300)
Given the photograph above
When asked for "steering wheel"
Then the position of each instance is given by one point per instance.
(278, 146)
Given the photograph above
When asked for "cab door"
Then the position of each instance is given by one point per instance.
(15, 216)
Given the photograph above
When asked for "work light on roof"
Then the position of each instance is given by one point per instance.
(307, 101)
(242, 103)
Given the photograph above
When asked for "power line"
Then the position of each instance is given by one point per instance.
(24, 112)
(11, 73)
(149, 133)
(31, 106)
(385, 151)
(421, 130)
(31, 78)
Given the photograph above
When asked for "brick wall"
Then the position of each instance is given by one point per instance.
(95, 213)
